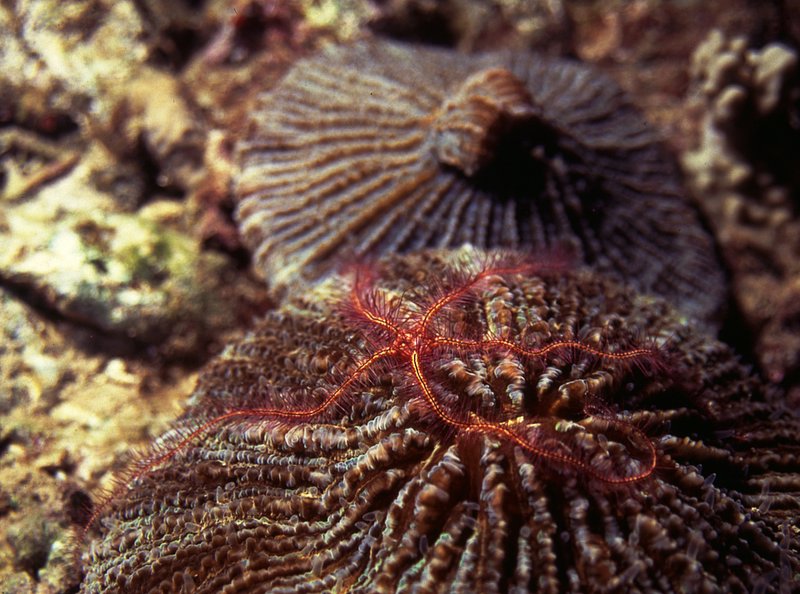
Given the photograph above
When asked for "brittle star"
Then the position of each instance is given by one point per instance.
(413, 339)
(410, 337)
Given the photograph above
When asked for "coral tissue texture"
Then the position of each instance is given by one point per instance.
(448, 422)
(381, 147)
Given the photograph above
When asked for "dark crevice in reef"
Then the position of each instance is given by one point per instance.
(5, 441)
(780, 22)
(156, 182)
(222, 235)
(735, 333)
(175, 47)
(175, 29)
(50, 125)
(433, 25)
(79, 506)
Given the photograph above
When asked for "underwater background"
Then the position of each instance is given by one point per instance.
(122, 272)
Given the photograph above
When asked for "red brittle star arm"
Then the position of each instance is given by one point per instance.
(539, 351)
(451, 296)
(265, 413)
(478, 424)
(365, 311)
(330, 399)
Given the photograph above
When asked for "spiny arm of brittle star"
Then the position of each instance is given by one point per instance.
(650, 446)
(451, 296)
(483, 426)
(365, 311)
(427, 392)
(282, 413)
(333, 396)
(539, 351)
(266, 413)
(480, 425)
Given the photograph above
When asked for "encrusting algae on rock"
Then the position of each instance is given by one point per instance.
(463, 422)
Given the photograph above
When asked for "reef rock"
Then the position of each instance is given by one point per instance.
(744, 169)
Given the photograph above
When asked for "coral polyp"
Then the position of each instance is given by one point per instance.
(441, 425)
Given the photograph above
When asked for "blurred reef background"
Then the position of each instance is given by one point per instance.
(121, 271)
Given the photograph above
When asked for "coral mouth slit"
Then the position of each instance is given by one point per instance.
(410, 339)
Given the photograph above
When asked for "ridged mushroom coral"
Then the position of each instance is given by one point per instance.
(457, 422)
(381, 148)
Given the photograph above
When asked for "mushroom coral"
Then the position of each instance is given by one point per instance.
(373, 491)
(381, 148)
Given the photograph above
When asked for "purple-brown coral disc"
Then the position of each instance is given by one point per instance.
(383, 148)
(375, 494)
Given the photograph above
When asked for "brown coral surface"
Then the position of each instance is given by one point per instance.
(377, 494)
(383, 147)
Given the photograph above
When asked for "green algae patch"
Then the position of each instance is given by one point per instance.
(118, 273)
